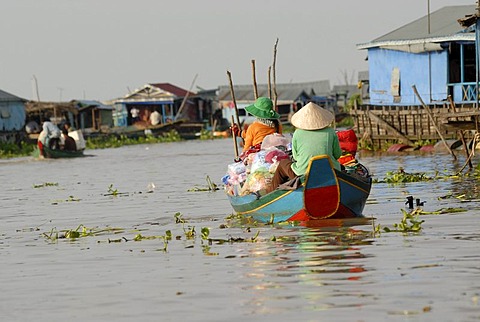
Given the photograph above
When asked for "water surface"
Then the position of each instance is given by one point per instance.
(333, 270)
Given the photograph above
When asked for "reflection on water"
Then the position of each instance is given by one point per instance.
(305, 269)
(320, 271)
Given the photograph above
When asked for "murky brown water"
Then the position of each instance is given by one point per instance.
(336, 273)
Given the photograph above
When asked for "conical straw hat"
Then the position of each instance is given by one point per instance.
(312, 117)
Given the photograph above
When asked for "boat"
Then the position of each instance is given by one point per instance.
(139, 129)
(323, 193)
(57, 153)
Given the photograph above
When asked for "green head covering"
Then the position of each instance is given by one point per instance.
(263, 109)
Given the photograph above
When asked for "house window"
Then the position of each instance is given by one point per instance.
(469, 63)
(462, 63)
(4, 112)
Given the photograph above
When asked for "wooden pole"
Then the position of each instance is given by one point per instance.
(433, 121)
(269, 82)
(185, 98)
(275, 95)
(235, 146)
(255, 89)
(462, 136)
(232, 93)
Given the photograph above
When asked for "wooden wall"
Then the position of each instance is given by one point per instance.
(383, 125)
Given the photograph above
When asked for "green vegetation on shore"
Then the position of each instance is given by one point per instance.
(118, 141)
(12, 150)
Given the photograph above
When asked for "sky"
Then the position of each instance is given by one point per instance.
(104, 49)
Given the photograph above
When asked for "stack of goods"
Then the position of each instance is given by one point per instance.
(255, 172)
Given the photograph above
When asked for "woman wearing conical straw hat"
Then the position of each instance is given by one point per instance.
(312, 137)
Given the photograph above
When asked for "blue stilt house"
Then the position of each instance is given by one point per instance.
(435, 53)
(12, 116)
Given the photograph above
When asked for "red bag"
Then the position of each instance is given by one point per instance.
(348, 141)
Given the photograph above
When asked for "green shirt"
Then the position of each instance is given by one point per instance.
(307, 144)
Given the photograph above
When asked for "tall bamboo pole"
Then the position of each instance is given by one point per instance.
(235, 146)
(269, 82)
(185, 99)
(433, 121)
(462, 136)
(232, 93)
(275, 95)
(255, 89)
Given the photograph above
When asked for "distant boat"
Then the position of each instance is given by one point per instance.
(138, 130)
(57, 153)
(325, 193)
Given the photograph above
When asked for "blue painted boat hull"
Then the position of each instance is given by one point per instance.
(325, 193)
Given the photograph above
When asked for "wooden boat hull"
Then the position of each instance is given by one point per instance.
(325, 193)
(57, 154)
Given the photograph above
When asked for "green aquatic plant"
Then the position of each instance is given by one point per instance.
(45, 184)
(442, 211)
(189, 232)
(409, 223)
(205, 231)
(211, 186)
(401, 176)
(178, 218)
(206, 135)
(206, 251)
(111, 191)
(165, 238)
(80, 231)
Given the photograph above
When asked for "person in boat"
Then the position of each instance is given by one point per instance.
(68, 142)
(32, 127)
(67, 126)
(266, 122)
(312, 137)
(50, 136)
(155, 118)
(135, 112)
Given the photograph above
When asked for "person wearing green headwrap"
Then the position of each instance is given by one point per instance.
(266, 122)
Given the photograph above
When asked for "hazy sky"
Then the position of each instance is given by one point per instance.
(101, 49)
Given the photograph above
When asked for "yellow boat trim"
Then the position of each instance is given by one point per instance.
(323, 156)
(354, 185)
(265, 204)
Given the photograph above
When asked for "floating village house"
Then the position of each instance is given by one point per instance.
(12, 116)
(171, 101)
(433, 55)
(290, 98)
(87, 115)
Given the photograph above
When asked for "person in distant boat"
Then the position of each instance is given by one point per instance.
(155, 118)
(67, 126)
(312, 137)
(49, 136)
(32, 127)
(68, 142)
(135, 112)
(266, 122)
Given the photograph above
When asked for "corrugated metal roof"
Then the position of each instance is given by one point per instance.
(87, 103)
(444, 26)
(285, 92)
(175, 90)
(7, 97)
